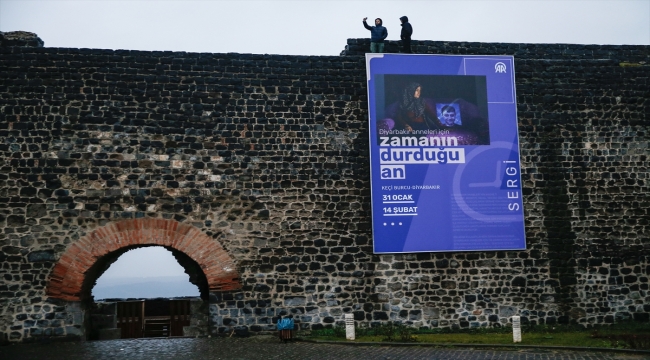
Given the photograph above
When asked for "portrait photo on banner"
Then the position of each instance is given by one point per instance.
(433, 105)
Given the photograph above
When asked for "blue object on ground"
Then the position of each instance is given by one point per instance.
(285, 324)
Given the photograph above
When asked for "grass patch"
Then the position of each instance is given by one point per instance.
(622, 336)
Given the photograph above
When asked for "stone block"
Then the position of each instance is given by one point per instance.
(20, 38)
(507, 311)
(110, 334)
(295, 301)
(39, 256)
(74, 331)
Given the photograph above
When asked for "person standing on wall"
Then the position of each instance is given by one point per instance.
(407, 31)
(377, 35)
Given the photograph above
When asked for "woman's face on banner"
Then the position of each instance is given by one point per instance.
(417, 92)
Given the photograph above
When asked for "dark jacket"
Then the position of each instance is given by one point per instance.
(407, 29)
(377, 33)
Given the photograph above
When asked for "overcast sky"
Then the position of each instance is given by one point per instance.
(143, 263)
(311, 27)
(137, 268)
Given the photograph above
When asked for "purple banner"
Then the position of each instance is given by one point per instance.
(444, 148)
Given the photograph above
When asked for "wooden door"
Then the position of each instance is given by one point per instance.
(179, 311)
(130, 318)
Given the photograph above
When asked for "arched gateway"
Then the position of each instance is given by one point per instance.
(71, 272)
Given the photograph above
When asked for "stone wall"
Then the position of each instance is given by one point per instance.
(621, 53)
(267, 156)
(20, 38)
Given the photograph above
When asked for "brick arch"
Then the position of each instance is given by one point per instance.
(68, 275)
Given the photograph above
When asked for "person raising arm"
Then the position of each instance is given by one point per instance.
(377, 35)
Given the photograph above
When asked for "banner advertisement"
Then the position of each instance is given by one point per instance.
(444, 153)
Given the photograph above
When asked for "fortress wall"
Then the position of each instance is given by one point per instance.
(268, 156)
(621, 53)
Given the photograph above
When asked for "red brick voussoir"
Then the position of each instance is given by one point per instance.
(68, 274)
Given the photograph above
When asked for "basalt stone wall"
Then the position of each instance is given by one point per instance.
(268, 156)
(20, 38)
(622, 53)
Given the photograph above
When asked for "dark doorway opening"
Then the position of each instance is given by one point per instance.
(152, 318)
(153, 306)
(148, 318)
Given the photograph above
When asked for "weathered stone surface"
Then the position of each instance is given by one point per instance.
(507, 311)
(261, 162)
(110, 334)
(295, 301)
(431, 313)
(20, 38)
(36, 210)
(629, 54)
(192, 331)
(37, 256)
